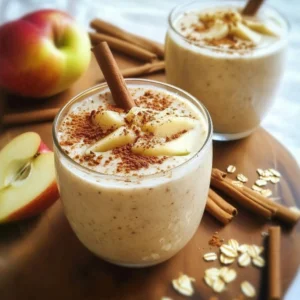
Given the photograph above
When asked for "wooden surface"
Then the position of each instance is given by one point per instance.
(42, 259)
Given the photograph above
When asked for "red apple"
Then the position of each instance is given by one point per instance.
(42, 53)
(27, 178)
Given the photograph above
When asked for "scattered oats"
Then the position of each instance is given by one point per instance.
(266, 193)
(266, 178)
(211, 256)
(213, 273)
(295, 209)
(259, 261)
(166, 298)
(256, 188)
(275, 172)
(228, 251)
(248, 289)
(218, 285)
(226, 260)
(258, 249)
(243, 248)
(275, 179)
(183, 285)
(209, 281)
(237, 183)
(234, 244)
(268, 173)
(260, 172)
(242, 178)
(244, 260)
(227, 275)
(264, 234)
(231, 169)
(252, 251)
(260, 182)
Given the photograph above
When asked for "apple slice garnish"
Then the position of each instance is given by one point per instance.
(169, 125)
(120, 137)
(27, 178)
(180, 146)
(108, 119)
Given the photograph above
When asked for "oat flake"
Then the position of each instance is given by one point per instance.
(211, 256)
(244, 260)
(226, 260)
(242, 178)
(228, 251)
(218, 285)
(259, 261)
(231, 169)
(260, 182)
(234, 244)
(248, 289)
(183, 285)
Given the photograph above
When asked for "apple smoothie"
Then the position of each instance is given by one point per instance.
(134, 183)
(231, 62)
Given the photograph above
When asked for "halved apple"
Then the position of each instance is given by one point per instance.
(169, 126)
(118, 138)
(108, 119)
(245, 33)
(27, 178)
(183, 145)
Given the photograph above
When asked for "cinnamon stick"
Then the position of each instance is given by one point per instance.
(217, 212)
(252, 7)
(220, 182)
(252, 200)
(29, 117)
(113, 76)
(123, 46)
(274, 263)
(222, 203)
(148, 68)
(112, 30)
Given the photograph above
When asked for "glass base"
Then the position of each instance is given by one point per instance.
(141, 265)
(231, 136)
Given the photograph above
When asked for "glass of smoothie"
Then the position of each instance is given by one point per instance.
(232, 63)
(134, 183)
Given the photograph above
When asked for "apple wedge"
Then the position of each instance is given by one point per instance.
(108, 119)
(118, 138)
(169, 126)
(183, 145)
(245, 33)
(267, 29)
(27, 178)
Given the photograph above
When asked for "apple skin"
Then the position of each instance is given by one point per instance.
(36, 206)
(42, 54)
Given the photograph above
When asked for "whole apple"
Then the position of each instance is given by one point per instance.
(42, 53)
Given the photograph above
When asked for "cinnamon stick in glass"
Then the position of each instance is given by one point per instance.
(113, 76)
(112, 30)
(123, 46)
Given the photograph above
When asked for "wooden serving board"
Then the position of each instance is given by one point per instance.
(41, 258)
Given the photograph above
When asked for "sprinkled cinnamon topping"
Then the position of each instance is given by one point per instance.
(132, 162)
(154, 100)
(79, 127)
(81, 131)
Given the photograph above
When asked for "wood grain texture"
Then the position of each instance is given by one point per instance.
(42, 259)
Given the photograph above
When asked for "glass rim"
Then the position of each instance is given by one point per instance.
(182, 5)
(95, 88)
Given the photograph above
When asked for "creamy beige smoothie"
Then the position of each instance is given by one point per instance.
(134, 183)
(230, 62)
